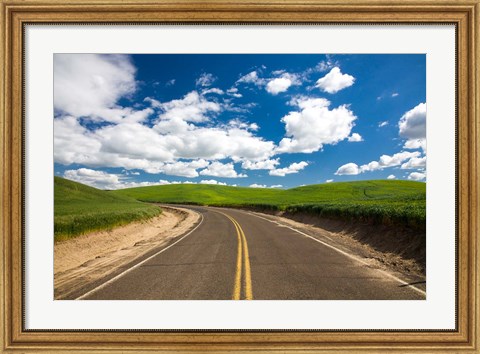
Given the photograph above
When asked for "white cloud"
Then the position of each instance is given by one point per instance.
(414, 163)
(255, 185)
(170, 82)
(103, 180)
(385, 161)
(382, 124)
(205, 80)
(219, 169)
(416, 144)
(213, 90)
(251, 78)
(278, 85)
(175, 143)
(412, 124)
(395, 94)
(335, 81)
(281, 84)
(74, 143)
(329, 181)
(325, 65)
(355, 137)
(233, 91)
(315, 125)
(261, 165)
(416, 176)
(391, 177)
(97, 179)
(348, 169)
(293, 168)
(191, 108)
(276, 186)
(91, 84)
(212, 181)
(136, 146)
(163, 182)
(180, 168)
(153, 102)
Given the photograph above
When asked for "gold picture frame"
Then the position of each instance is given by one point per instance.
(464, 14)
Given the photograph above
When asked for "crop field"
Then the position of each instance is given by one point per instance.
(377, 202)
(79, 209)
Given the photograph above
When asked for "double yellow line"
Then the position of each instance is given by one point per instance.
(242, 253)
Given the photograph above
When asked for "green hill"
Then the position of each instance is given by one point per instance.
(380, 202)
(79, 209)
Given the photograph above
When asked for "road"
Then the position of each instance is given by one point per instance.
(235, 254)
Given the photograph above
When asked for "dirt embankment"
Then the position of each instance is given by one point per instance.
(401, 249)
(91, 257)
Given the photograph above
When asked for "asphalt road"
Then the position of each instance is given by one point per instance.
(233, 254)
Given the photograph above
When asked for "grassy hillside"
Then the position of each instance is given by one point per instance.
(383, 202)
(79, 209)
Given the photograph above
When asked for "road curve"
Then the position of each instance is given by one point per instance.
(234, 254)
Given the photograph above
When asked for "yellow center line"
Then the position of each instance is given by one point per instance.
(238, 273)
(242, 246)
(248, 275)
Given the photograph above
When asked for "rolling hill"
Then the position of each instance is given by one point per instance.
(79, 209)
(378, 202)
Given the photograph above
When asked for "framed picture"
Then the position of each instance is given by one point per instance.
(162, 161)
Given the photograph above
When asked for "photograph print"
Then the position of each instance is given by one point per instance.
(239, 176)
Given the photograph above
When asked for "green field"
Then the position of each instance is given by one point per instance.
(79, 209)
(378, 202)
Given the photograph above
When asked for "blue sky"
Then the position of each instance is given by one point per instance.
(270, 120)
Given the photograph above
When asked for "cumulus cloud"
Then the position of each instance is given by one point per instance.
(416, 144)
(233, 91)
(395, 94)
(193, 107)
(137, 146)
(251, 78)
(293, 168)
(335, 81)
(278, 85)
(415, 163)
(417, 176)
(315, 125)
(281, 84)
(261, 165)
(412, 124)
(355, 137)
(256, 185)
(212, 181)
(214, 90)
(348, 169)
(97, 179)
(180, 168)
(385, 161)
(219, 169)
(329, 181)
(382, 124)
(91, 84)
(205, 80)
(391, 177)
(326, 64)
(74, 143)
(103, 180)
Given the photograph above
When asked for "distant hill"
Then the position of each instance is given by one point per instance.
(79, 209)
(378, 201)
